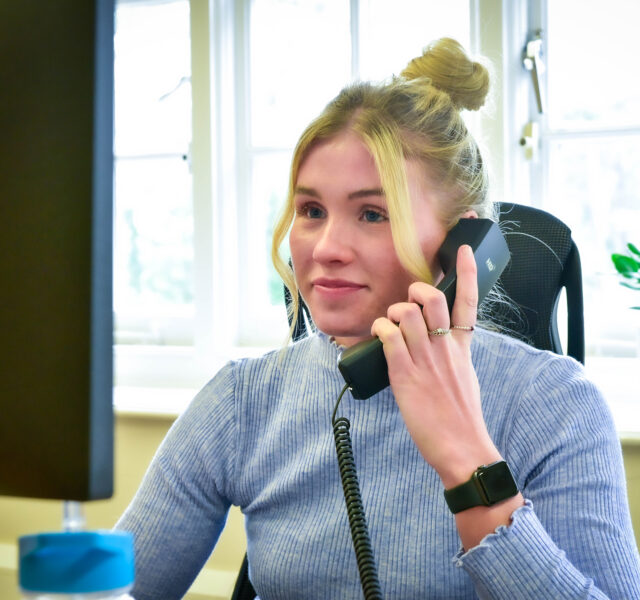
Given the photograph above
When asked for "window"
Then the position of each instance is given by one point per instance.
(153, 258)
(591, 154)
(211, 96)
(300, 54)
(584, 167)
(200, 174)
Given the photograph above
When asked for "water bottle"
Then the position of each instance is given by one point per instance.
(76, 565)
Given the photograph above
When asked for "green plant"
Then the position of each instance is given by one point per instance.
(628, 266)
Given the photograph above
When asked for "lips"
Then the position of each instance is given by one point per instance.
(335, 288)
(335, 284)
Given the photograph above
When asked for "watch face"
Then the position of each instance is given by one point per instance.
(497, 482)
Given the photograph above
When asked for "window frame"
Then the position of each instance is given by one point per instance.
(527, 181)
(150, 366)
(220, 158)
(220, 31)
(220, 143)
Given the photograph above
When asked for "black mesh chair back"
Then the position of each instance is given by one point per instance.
(544, 261)
(303, 323)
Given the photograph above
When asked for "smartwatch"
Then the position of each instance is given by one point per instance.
(488, 485)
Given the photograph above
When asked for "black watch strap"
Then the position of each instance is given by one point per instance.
(488, 485)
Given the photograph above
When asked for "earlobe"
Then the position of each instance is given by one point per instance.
(470, 214)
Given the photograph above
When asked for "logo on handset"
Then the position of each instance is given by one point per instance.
(490, 264)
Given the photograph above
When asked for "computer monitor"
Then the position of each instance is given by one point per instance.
(56, 190)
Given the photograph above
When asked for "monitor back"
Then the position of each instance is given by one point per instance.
(56, 190)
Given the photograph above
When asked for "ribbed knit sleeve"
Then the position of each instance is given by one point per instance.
(574, 538)
(180, 509)
(521, 561)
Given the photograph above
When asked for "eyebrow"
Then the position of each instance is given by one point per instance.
(364, 193)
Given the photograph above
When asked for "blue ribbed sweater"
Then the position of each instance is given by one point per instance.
(259, 436)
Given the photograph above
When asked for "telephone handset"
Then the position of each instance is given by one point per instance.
(364, 366)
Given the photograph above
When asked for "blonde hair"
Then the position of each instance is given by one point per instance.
(416, 116)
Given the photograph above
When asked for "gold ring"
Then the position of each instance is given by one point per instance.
(439, 331)
(463, 327)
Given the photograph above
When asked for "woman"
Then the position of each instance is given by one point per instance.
(377, 181)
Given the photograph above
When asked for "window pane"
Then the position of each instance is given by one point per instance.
(270, 176)
(264, 316)
(153, 245)
(592, 48)
(153, 258)
(152, 78)
(300, 58)
(392, 33)
(594, 187)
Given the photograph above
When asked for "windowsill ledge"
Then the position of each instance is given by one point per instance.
(151, 402)
(618, 380)
(616, 377)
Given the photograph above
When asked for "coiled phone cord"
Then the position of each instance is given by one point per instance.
(355, 509)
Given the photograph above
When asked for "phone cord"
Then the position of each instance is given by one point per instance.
(355, 509)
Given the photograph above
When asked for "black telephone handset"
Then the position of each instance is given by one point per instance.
(364, 366)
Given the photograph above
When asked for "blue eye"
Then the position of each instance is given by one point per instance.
(314, 212)
(310, 211)
(373, 216)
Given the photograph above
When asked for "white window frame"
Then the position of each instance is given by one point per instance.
(524, 181)
(499, 31)
(154, 378)
(164, 378)
(220, 74)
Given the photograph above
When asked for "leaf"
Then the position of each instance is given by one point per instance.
(633, 249)
(625, 265)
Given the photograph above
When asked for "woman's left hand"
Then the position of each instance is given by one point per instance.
(432, 376)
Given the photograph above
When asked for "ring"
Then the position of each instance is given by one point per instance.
(439, 331)
(463, 327)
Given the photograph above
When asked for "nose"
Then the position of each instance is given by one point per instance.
(334, 244)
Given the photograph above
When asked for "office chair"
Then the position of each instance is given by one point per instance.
(544, 261)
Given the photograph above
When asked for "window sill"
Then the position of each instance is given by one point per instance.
(157, 381)
(151, 402)
(160, 381)
(616, 377)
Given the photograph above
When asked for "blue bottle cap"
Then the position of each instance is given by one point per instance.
(76, 562)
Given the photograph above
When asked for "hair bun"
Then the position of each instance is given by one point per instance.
(449, 68)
